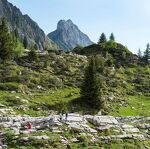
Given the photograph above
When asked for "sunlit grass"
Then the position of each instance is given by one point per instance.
(137, 106)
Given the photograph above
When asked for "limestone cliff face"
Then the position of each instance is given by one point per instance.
(25, 26)
(68, 36)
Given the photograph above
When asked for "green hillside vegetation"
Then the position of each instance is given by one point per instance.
(52, 80)
(57, 86)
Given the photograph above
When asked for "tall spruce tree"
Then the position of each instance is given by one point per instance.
(112, 37)
(146, 56)
(6, 42)
(92, 89)
(102, 39)
(139, 53)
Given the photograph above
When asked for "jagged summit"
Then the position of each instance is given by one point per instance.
(68, 35)
(64, 24)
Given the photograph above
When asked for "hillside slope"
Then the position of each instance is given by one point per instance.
(57, 85)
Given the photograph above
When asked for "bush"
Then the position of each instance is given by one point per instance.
(83, 140)
(12, 101)
(53, 81)
(12, 86)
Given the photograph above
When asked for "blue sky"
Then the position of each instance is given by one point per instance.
(129, 20)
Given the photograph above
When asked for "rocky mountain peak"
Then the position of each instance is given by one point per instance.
(62, 24)
(68, 35)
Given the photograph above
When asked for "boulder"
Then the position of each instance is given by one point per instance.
(72, 117)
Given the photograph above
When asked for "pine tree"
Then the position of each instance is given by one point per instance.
(92, 87)
(102, 39)
(139, 53)
(6, 42)
(146, 56)
(112, 37)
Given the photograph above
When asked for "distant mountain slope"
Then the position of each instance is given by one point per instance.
(25, 26)
(68, 36)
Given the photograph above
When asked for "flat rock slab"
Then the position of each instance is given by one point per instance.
(101, 120)
(74, 118)
(143, 126)
(134, 119)
(81, 127)
(132, 130)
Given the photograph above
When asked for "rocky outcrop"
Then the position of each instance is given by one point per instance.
(25, 26)
(96, 128)
(68, 36)
(80, 123)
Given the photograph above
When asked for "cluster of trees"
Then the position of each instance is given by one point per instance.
(94, 87)
(103, 38)
(145, 55)
(11, 46)
(6, 42)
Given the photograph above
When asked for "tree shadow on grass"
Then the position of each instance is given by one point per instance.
(79, 106)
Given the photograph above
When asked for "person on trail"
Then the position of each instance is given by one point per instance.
(66, 116)
(60, 116)
(29, 125)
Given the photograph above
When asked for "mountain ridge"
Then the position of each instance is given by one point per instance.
(26, 27)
